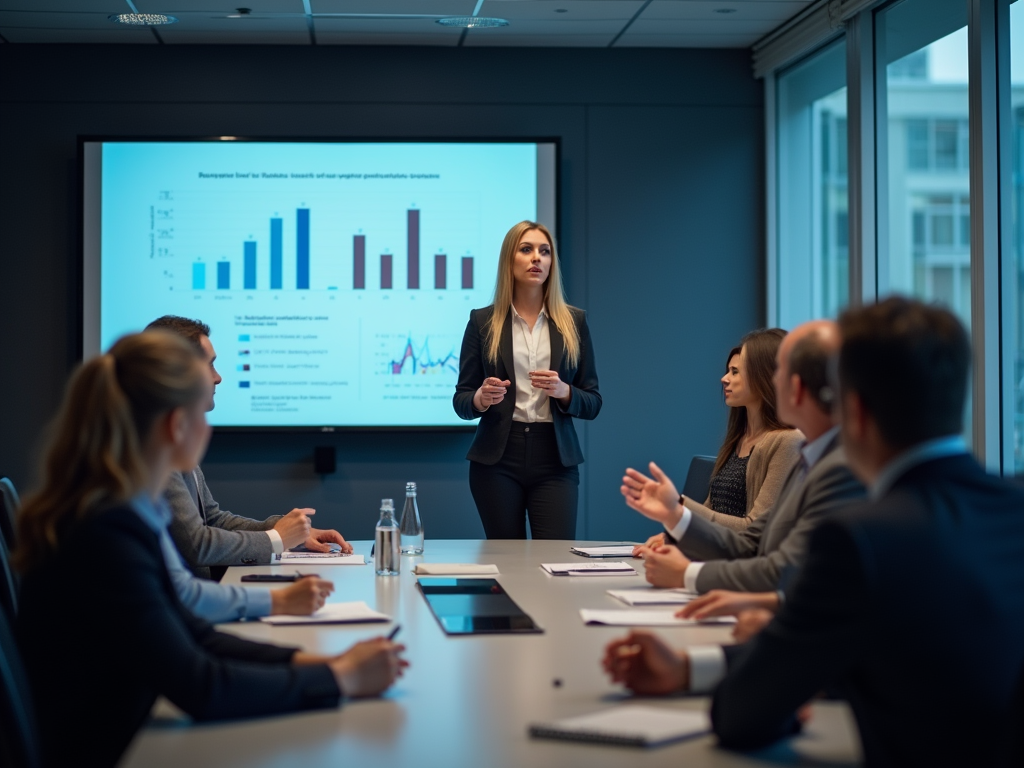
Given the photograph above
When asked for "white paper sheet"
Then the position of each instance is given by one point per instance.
(589, 569)
(653, 596)
(455, 569)
(333, 613)
(635, 725)
(646, 619)
(317, 558)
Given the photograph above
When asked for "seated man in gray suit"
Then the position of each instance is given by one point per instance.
(208, 536)
(709, 556)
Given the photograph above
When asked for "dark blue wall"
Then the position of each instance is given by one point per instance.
(661, 237)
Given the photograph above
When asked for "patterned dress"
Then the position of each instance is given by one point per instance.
(729, 487)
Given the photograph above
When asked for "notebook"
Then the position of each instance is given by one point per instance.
(332, 613)
(617, 550)
(589, 569)
(317, 558)
(454, 569)
(653, 596)
(631, 725)
(651, 618)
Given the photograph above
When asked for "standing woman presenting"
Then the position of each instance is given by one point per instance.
(527, 368)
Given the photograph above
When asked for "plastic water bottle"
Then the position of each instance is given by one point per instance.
(411, 525)
(386, 560)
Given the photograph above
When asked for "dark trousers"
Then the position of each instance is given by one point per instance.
(529, 480)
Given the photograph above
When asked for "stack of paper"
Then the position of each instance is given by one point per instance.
(589, 569)
(618, 550)
(333, 613)
(317, 558)
(634, 726)
(653, 596)
(646, 619)
(455, 569)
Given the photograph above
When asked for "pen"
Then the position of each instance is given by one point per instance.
(394, 632)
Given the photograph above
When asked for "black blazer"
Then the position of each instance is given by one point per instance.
(103, 634)
(492, 432)
(911, 607)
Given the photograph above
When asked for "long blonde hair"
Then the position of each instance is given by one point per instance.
(93, 459)
(554, 297)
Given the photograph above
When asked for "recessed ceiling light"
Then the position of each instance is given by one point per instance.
(142, 19)
(725, 10)
(471, 22)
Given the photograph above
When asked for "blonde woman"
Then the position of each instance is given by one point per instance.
(93, 541)
(527, 369)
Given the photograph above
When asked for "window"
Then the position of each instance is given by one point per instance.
(812, 193)
(1013, 363)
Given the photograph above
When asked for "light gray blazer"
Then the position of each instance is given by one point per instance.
(754, 559)
(211, 535)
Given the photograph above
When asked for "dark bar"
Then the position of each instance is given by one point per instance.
(440, 271)
(467, 272)
(223, 275)
(249, 273)
(302, 248)
(414, 249)
(385, 270)
(359, 261)
(275, 254)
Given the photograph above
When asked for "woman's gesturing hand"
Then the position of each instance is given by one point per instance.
(551, 384)
(491, 392)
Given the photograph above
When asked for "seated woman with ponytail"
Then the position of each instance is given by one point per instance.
(101, 628)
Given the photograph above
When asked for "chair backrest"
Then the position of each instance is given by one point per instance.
(10, 501)
(19, 741)
(8, 583)
(698, 478)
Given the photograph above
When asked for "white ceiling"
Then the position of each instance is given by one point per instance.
(532, 23)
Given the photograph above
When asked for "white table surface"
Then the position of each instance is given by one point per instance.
(467, 701)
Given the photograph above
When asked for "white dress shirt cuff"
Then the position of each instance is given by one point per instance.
(707, 667)
(679, 531)
(275, 541)
(690, 576)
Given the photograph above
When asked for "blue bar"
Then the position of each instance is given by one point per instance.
(249, 278)
(275, 253)
(198, 276)
(223, 275)
(302, 248)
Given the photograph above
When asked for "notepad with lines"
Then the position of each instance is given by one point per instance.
(631, 726)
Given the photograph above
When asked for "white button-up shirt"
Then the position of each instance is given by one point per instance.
(531, 351)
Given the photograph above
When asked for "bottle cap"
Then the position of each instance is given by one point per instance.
(387, 504)
(410, 487)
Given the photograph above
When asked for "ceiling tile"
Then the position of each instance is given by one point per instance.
(702, 26)
(68, 6)
(243, 37)
(777, 10)
(381, 26)
(434, 7)
(212, 22)
(45, 20)
(556, 28)
(343, 38)
(629, 40)
(97, 36)
(542, 10)
(218, 7)
(539, 41)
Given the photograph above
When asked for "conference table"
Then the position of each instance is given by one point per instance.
(468, 700)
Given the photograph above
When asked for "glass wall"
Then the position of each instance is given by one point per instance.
(924, 239)
(1013, 367)
(812, 194)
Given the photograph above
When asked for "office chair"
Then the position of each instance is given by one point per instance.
(10, 501)
(698, 478)
(19, 742)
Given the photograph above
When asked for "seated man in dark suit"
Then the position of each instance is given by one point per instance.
(208, 536)
(708, 556)
(910, 604)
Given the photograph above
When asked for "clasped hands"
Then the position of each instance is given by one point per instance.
(295, 529)
(493, 390)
